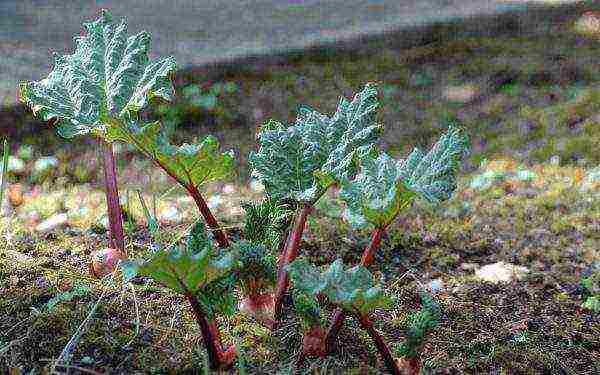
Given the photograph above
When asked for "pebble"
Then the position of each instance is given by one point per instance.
(214, 201)
(435, 286)
(228, 189)
(52, 223)
(460, 94)
(501, 272)
(469, 266)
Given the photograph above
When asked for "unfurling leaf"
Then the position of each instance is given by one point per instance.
(301, 161)
(192, 165)
(354, 289)
(420, 324)
(107, 78)
(385, 186)
(266, 222)
(190, 269)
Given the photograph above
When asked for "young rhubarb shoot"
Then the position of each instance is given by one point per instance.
(265, 225)
(204, 276)
(384, 187)
(420, 323)
(354, 290)
(300, 162)
(106, 79)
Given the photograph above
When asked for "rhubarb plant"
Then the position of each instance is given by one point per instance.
(300, 162)
(384, 187)
(205, 276)
(264, 230)
(420, 323)
(354, 290)
(108, 78)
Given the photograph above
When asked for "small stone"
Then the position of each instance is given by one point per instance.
(501, 272)
(461, 94)
(228, 189)
(435, 286)
(52, 223)
(214, 201)
(469, 266)
(42, 283)
(430, 239)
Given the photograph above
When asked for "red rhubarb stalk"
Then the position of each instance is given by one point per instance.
(339, 315)
(290, 252)
(217, 357)
(210, 219)
(115, 219)
(382, 347)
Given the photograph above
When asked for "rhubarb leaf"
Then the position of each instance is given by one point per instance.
(189, 269)
(108, 77)
(377, 194)
(301, 161)
(384, 186)
(192, 165)
(433, 175)
(354, 289)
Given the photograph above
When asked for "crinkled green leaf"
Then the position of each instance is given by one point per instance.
(307, 307)
(377, 194)
(301, 161)
(353, 289)
(190, 164)
(433, 175)
(107, 77)
(385, 186)
(186, 270)
(306, 277)
(420, 324)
